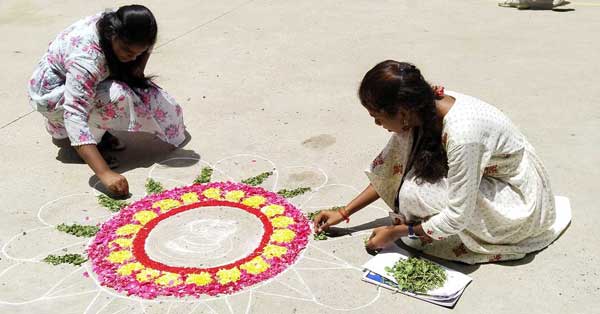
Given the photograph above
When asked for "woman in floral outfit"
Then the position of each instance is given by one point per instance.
(91, 80)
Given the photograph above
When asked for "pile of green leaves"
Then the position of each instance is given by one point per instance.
(79, 230)
(319, 236)
(153, 186)
(259, 179)
(205, 175)
(293, 193)
(111, 204)
(75, 259)
(417, 275)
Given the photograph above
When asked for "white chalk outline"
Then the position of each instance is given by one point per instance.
(53, 293)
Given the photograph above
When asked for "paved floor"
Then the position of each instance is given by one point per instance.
(278, 79)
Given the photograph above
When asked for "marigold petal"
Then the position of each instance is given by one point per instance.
(122, 242)
(129, 268)
(118, 257)
(169, 279)
(282, 221)
(189, 198)
(256, 266)
(144, 216)
(228, 275)
(272, 210)
(234, 196)
(147, 275)
(283, 235)
(128, 229)
(213, 193)
(166, 204)
(201, 279)
(254, 201)
(272, 250)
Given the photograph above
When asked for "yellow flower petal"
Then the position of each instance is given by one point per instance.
(256, 266)
(189, 198)
(214, 193)
(282, 222)
(169, 279)
(272, 210)
(201, 279)
(128, 229)
(271, 251)
(283, 235)
(144, 216)
(228, 275)
(119, 256)
(254, 201)
(166, 204)
(129, 268)
(122, 242)
(234, 196)
(147, 274)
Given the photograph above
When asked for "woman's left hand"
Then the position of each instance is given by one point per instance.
(382, 237)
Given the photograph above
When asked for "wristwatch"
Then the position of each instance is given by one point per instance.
(411, 232)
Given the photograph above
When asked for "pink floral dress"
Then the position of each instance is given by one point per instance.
(71, 89)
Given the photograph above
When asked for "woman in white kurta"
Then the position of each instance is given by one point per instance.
(490, 199)
(91, 80)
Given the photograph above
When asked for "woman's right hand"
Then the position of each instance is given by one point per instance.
(327, 218)
(115, 183)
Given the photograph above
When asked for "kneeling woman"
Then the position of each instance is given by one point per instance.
(464, 182)
(91, 80)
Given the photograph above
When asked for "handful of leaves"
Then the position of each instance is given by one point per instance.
(111, 204)
(153, 186)
(259, 179)
(293, 193)
(319, 236)
(417, 275)
(205, 175)
(79, 230)
(75, 259)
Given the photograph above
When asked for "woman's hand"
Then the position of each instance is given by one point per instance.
(327, 218)
(425, 239)
(382, 237)
(115, 183)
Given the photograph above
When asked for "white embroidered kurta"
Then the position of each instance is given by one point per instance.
(71, 88)
(496, 202)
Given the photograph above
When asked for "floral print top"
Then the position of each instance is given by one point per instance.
(67, 76)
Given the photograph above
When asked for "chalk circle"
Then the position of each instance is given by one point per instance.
(206, 236)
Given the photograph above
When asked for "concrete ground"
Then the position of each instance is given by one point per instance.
(278, 79)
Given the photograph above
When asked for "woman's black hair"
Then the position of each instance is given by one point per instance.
(392, 85)
(133, 25)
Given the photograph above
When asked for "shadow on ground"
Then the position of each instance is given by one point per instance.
(142, 151)
(461, 267)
